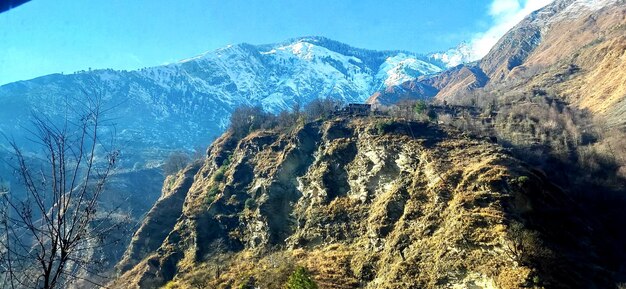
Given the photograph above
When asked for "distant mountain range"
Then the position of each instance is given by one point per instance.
(187, 104)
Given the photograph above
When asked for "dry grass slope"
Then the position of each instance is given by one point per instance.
(417, 206)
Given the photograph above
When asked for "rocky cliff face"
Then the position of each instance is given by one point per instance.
(359, 202)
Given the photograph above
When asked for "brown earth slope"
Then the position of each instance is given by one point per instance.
(573, 48)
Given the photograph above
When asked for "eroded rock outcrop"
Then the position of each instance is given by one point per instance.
(161, 218)
(359, 202)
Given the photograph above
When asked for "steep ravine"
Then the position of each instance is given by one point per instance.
(360, 203)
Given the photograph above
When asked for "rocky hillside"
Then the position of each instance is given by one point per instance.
(571, 48)
(578, 50)
(359, 203)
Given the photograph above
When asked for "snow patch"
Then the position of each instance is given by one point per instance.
(580, 8)
(455, 56)
(401, 68)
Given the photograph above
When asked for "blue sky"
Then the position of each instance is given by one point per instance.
(51, 36)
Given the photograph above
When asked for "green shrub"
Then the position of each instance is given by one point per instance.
(221, 171)
(212, 194)
(521, 180)
(250, 203)
(213, 191)
(219, 174)
(419, 107)
(170, 182)
(383, 126)
(210, 199)
(300, 279)
(227, 161)
(171, 285)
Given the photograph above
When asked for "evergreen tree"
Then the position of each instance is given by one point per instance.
(300, 279)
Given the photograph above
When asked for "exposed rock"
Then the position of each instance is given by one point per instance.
(160, 219)
(417, 207)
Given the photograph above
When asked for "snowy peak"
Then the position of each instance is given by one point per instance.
(454, 56)
(277, 76)
(592, 5)
(191, 100)
(310, 52)
(563, 10)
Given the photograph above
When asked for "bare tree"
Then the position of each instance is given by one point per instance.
(175, 162)
(50, 235)
(246, 119)
(321, 108)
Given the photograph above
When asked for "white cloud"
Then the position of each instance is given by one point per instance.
(505, 14)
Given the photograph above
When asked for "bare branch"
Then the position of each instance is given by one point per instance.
(50, 235)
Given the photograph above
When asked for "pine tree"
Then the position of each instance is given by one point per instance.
(300, 279)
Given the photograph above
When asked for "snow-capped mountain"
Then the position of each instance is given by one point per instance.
(278, 76)
(186, 104)
(564, 10)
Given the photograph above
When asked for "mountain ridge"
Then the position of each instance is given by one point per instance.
(225, 77)
(538, 52)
